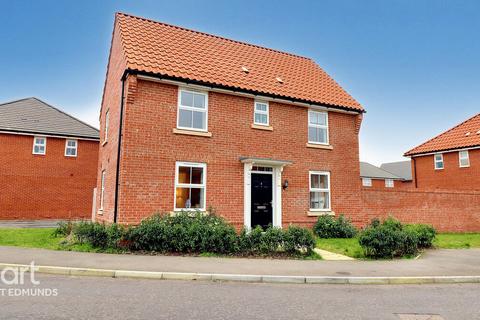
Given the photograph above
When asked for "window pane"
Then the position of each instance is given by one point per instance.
(199, 120)
(260, 118)
(317, 135)
(319, 181)
(439, 165)
(464, 162)
(186, 99)
(185, 118)
(197, 175)
(199, 101)
(39, 141)
(438, 157)
(71, 152)
(187, 198)
(261, 107)
(184, 174)
(318, 118)
(71, 143)
(319, 200)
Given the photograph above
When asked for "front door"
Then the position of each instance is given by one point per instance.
(262, 196)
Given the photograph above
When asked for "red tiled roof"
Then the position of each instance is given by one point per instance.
(167, 50)
(464, 135)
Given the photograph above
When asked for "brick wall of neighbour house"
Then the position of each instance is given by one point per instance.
(150, 150)
(453, 211)
(107, 159)
(452, 177)
(49, 186)
(379, 184)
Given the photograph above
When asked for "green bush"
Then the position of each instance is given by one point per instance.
(183, 233)
(425, 233)
(299, 240)
(388, 239)
(329, 227)
(64, 228)
(98, 235)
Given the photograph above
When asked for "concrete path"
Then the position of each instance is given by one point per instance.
(29, 223)
(432, 263)
(327, 255)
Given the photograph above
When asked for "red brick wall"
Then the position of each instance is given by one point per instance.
(452, 177)
(49, 186)
(446, 210)
(150, 150)
(108, 150)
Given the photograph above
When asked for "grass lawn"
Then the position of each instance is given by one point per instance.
(457, 240)
(351, 248)
(347, 247)
(30, 238)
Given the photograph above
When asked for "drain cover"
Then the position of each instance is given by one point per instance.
(419, 316)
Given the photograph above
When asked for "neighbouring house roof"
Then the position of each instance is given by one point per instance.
(179, 53)
(33, 116)
(464, 135)
(402, 169)
(368, 170)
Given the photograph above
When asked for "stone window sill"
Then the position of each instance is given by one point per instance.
(319, 146)
(192, 133)
(260, 127)
(320, 213)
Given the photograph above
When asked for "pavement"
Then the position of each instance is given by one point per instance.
(29, 223)
(107, 298)
(327, 255)
(435, 266)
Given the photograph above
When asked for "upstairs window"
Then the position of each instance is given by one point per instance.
(317, 127)
(389, 183)
(261, 116)
(107, 123)
(192, 110)
(319, 191)
(438, 159)
(190, 186)
(71, 148)
(39, 145)
(367, 182)
(463, 159)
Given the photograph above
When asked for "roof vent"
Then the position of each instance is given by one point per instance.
(467, 134)
(245, 69)
(279, 80)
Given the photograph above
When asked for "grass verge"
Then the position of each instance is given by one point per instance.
(457, 240)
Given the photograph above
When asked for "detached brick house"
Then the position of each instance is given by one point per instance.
(451, 160)
(48, 162)
(379, 178)
(191, 121)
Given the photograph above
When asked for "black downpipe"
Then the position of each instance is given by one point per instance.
(415, 172)
(117, 174)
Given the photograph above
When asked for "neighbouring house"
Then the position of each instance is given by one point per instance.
(451, 160)
(48, 162)
(378, 178)
(191, 120)
(402, 169)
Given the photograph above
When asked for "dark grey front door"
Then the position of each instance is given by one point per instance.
(262, 210)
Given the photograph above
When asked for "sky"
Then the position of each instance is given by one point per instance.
(413, 65)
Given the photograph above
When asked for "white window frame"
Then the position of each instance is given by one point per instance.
(310, 111)
(102, 189)
(310, 189)
(179, 164)
(40, 145)
(389, 183)
(367, 182)
(460, 158)
(205, 93)
(266, 112)
(70, 147)
(435, 161)
(107, 124)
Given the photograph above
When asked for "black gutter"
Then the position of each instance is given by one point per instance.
(211, 85)
(120, 126)
(25, 132)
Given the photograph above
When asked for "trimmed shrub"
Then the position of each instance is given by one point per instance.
(426, 234)
(329, 227)
(299, 239)
(64, 228)
(389, 239)
(183, 233)
(92, 233)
